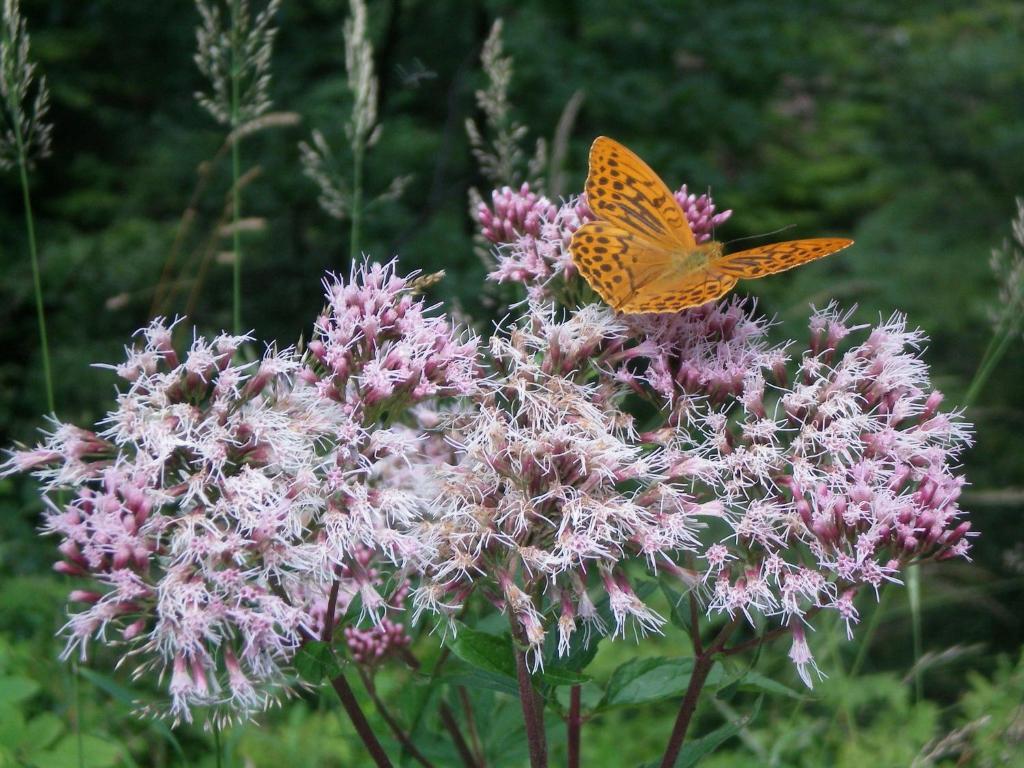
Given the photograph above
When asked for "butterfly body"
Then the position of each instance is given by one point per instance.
(641, 256)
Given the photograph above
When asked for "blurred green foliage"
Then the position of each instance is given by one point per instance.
(900, 124)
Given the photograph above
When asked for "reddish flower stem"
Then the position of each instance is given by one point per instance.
(698, 649)
(574, 724)
(452, 726)
(345, 693)
(474, 735)
(528, 700)
(701, 669)
(332, 606)
(355, 714)
(396, 729)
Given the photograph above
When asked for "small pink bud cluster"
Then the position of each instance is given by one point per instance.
(375, 645)
(360, 579)
(700, 213)
(514, 213)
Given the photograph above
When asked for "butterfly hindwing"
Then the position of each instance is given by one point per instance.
(778, 257)
(622, 189)
(616, 262)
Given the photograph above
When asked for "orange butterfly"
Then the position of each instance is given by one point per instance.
(641, 256)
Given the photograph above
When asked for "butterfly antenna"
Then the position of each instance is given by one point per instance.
(763, 234)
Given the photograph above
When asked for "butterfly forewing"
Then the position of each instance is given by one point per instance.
(622, 189)
(615, 262)
(777, 257)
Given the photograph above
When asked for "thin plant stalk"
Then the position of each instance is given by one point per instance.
(914, 596)
(389, 720)
(469, 760)
(77, 693)
(993, 354)
(869, 632)
(702, 665)
(345, 693)
(216, 744)
(474, 735)
(532, 717)
(359, 721)
(236, 237)
(357, 198)
(33, 251)
(574, 724)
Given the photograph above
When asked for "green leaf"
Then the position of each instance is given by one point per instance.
(16, 689)
(95, 753)
(478, 678)
(557, 677)
(43, 730)
(755, 682)
(490, 653)
(698, 749)
(315, 661)
(642, 680)
(12, 726)
(678, 609)
(129, 698)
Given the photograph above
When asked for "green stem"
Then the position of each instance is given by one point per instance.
(236, 205)
(357, 197)
(869, 633)
(36, 280)
(75, 677)
(914, 595)
(216, 742)
(996, 349)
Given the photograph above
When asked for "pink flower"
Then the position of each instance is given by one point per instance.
(832, 475)
(219, 503)
(700, 213)
(513, 214)
(551, 493)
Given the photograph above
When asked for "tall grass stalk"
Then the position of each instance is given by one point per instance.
(24, 136)
(341, 193)
(358, 150)
(37, 283)
(1007, 264)
(234, 56)
(236, 193)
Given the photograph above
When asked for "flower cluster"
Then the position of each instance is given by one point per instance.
(552, 490)
(378, 349)
(700, 213)
(514, 213)
(532, 234)
(224, 513)
(833, 471)
(220, 503)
